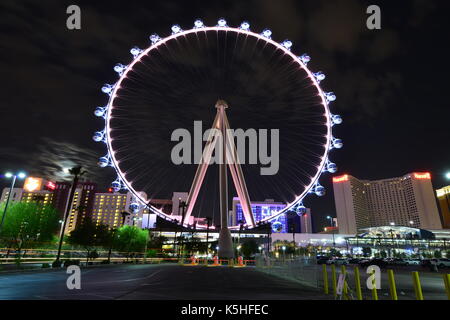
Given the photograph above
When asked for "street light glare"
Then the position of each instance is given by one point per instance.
(447, 175)
(8, 175)
(21, 175)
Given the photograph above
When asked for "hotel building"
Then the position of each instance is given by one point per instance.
(404, 201)
(443, 196)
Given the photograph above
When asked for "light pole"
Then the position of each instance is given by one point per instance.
(20, 175)
(331, 225)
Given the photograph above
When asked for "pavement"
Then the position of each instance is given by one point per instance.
(156, 282)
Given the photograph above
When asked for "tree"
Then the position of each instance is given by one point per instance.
(367, 252)
(89, 236)
(383, 254)
(76, 172)
(249, 248)
(28, 224)
(335, 253)
(437, 254)
(130, 239)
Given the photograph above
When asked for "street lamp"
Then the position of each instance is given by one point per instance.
(332, 230)
(447, 175)
(9, 175)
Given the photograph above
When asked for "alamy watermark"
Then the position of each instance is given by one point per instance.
(74, 280)
(73, 21)
(374, 20)
(189, 150)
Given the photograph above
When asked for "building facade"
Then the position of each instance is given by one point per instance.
(56, 194)
(443, 196)
(404, 201)
(264, 209)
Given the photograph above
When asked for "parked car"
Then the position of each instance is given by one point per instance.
(377, 262)
(338, 261)
(412, 262)
(322, 260)
(353, 261)
(442, 263)
(399, 262)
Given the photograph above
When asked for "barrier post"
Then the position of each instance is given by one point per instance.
(392, 287)
(333, 280)
(447, 284)
(358, 284)
(374, 286)
(325, 278)
(345, 288)
(417, 286)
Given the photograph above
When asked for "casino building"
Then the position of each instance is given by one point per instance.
(403, 201)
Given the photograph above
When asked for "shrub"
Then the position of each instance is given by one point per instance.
(45, 265)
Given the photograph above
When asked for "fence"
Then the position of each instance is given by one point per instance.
(384, 286)
(302, 269)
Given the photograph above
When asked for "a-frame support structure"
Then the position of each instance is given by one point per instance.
(220, 136)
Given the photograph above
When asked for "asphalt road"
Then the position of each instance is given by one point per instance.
(155, 282)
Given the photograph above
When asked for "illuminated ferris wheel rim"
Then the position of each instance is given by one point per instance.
(244, 30)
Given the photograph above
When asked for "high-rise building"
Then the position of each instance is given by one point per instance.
(57, 195)
(407, 201)
(443, 196)
(82, 204)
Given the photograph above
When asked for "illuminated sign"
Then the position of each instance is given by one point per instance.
(341, 178)
(425, 175)
(51, 185)
(32, 184)
(442, 192)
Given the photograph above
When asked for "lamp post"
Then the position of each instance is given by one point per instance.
(20, 175)
(331, 225)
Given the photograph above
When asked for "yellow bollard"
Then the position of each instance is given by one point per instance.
(392, 287)
(374, 287)
(333, 280)
(417, 286)
(358, 284)
(447, 284)
(345, 288)
(325, 278)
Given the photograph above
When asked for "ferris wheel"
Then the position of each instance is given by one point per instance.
(315, 143)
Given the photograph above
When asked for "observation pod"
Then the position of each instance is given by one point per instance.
(331, 167)
(198, 24)
(103, 162)
(337, 119)
(337, 143)
(245, 26)
(305, 58)
(99, 111)
(277, 226)
(301, 210)
(134, 207)
(319, 191)
(116, 185)
(98, 136)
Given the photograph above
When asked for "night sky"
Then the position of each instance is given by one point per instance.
(391, 84)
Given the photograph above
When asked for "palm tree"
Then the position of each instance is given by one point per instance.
(76, 172)
(124, 216)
